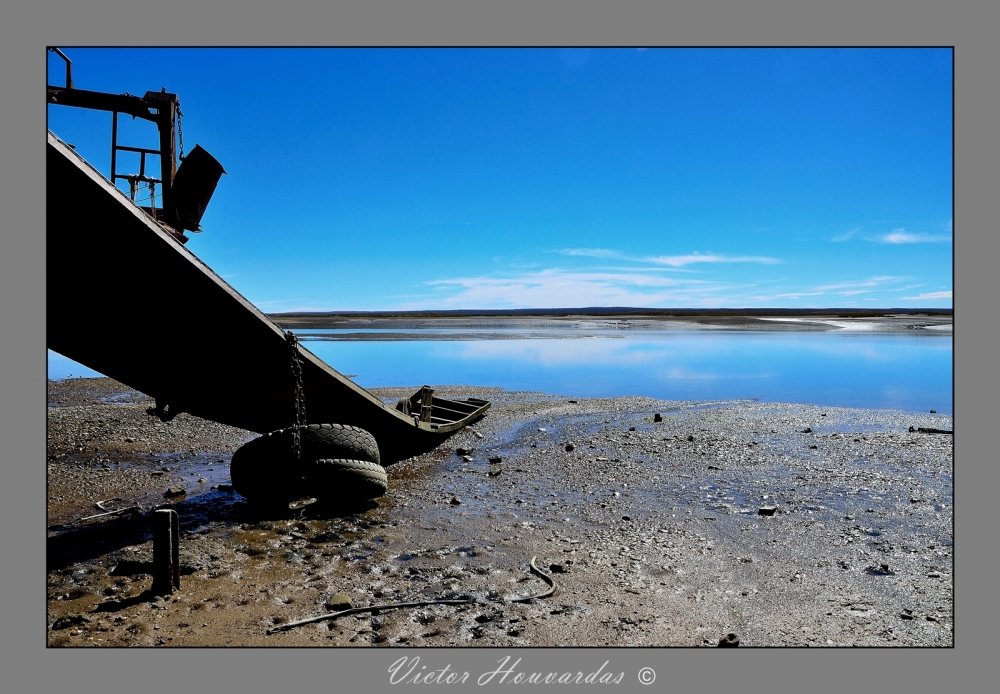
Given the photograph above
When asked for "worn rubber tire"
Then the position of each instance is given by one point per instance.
(266, 467)
(346, 479)
(256, 479)
(337, 441)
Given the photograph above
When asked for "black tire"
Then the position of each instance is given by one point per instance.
(253, 478)
(337, 441)
(268, 468)
(346, 479)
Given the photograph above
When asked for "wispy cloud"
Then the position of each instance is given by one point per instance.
(681, 260)
(565, 288)
(928, 295)
(592, 252)
(904, 236)
(669, 260)
(846, 237)
(863, 284)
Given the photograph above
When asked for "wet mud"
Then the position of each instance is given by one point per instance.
(652, 530)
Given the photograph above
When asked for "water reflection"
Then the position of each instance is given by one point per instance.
(855, 369)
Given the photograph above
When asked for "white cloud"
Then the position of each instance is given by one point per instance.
(562, 288)
(592, 252)
(928, 295)
(847, 236)
(904, 236)
(681, 260)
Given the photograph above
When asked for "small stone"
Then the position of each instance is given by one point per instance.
(822, 414)
(463, 451)
(934, 574)
(495, 459)
(569, 447)
(495, 472)
(455, 501)
(338, 603)
(129, 439)
(174, 491)
(542, 429)
(933, 411)
(202, 480)
(157, 473)
(557, 568)
(626, 518)
(657, 417)
(631, 428)
(690, 437)
(467, 458)
(69, 620)
(766, 510)
(807, 430)
(730, 640)
(477, 435)
(225, 487)
(572, 402)
(906, 614)
(813, 446)
(848, 517)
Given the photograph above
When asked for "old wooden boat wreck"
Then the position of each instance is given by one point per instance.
(125, 297)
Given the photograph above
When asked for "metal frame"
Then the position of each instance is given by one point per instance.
(159, 108)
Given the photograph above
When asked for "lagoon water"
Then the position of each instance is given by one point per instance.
(895, 370)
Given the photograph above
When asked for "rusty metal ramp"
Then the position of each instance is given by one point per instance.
(127, 299)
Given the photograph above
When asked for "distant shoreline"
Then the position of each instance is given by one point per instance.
(622, 311)
(911, 320)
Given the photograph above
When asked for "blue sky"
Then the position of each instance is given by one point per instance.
(405, 179)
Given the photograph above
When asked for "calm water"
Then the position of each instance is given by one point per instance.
(902, 371)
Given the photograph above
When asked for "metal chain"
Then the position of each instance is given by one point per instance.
(300, 396)
(180, 129)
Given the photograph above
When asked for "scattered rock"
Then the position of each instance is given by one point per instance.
(174, 491)
(129, 439)
(225, 487)
(906, 614)
(730, 640)
(657, 417)
(463, 451)
(557, 568)
(766, 510)
(455, 501)
(933, 411)
(495, 472)
(690, 437)
(848, 517)
(631, 428)
(807, 430)
(477, 435)
(542, 429)
(467, 458)
(626, 518)
(495, 459)
(338, 603)
(69, 620)
(569, 447)
(572, 402)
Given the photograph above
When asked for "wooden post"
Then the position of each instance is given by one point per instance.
(166, 552)
(426, 403)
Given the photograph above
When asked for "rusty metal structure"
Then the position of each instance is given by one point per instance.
(132, 302)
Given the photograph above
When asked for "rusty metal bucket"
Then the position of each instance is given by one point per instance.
(194, 185)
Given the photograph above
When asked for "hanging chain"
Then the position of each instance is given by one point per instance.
(300, 396)
(180, 129)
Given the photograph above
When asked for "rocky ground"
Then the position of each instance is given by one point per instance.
(653, 530)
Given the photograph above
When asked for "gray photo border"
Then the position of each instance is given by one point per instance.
(28, 666)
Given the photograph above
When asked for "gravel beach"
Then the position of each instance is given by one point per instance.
(788, 525)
